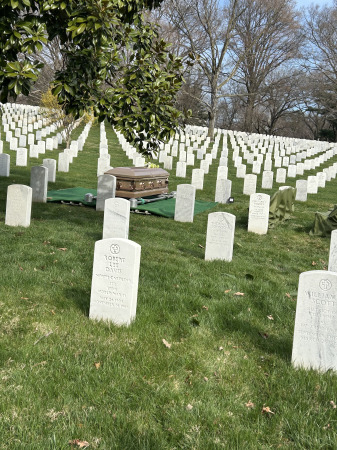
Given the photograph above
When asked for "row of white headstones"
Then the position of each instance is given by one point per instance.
(315, 335)
(117, 261)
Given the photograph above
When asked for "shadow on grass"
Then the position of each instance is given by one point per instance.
(268, 343)
(78, 297)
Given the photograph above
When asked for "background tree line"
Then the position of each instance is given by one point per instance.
(249, 65)
(258, 65)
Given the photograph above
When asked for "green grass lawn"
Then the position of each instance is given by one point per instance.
(226, 382)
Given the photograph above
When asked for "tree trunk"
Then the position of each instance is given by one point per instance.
(212, 114)
(249, 114)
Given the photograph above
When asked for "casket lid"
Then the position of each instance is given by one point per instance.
(137, 172)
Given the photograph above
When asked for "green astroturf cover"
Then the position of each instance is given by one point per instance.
(163, 208)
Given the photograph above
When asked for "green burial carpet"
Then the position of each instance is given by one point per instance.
(73, 195)
(164, 208)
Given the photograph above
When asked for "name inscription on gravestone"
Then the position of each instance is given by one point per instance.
(315, 334)
(115, 281)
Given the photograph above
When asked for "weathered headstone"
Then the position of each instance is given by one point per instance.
(223, 190)
(258, 213)
(103, 164)
(106, 188)
(249, 184)
(241, 171)
(198, 178)
(204, 165)
(222, 173)
(281, 175)
(115, 276)
(315, 333)
(185, 199)
(267, 179)
(18, 205)
(292, 171)
(63, 163)
(220, 236)
(4, 164)
(301, 190)
(51, 166)
(116, 218)
(21, 157)
(39, 183)
(181, 169)
(333, 252)
(312, 184)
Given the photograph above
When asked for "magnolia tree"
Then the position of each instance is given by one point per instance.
(114, 63)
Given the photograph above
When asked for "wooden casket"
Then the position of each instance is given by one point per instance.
(134, 182)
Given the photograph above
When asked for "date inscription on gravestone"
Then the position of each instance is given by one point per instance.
(115, 281)
(315, 334)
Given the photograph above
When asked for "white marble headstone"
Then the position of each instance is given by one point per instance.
(4, 165)
(301, 190)
(115, 276)
(267, 179)
(185, 199)
(21, 157)
(51, 166)
(39, 183)
(333, 252)
(315, 333)
(223, 189)
(106, 188)
(220, 236)
(18, 205)
(249, 184)
(198, 178)
(258, 213)
(181, 169)
(116, 218)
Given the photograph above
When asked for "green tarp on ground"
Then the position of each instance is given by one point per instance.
(74, 195)
(324, 222)
(281, 205)
(164, 208)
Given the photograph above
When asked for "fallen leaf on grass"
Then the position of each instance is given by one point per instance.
(189, 407)
(63, 249)
(314, 263)
(167, 345)
(228, 290)
(205, 307)
(264, 335)
(333, 404)
(270, 317)
(267, 410)
(20, 268)
(97, 365)
(288, 295)
(205, 379)
(46, 242)
(24, 298)
(79, 443)
(201, 246)
(239, 293)
(250, 404)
